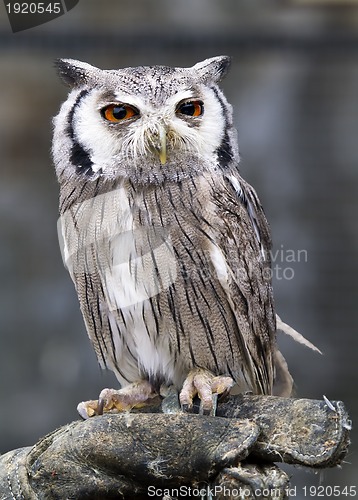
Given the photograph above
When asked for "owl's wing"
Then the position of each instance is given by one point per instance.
(245, 195)
(245, 251)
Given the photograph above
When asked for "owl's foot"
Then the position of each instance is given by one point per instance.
(205, 385)
(135, 395)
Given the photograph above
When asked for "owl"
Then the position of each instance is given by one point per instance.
(167, 245)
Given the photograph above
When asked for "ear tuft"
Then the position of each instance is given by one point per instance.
(73, 73)
(213, 69)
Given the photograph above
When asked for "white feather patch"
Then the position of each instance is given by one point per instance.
(150, 353)
(132, 278)
(219, 263)
(236, 185)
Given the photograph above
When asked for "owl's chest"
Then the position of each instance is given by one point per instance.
(154, 252)
(155, 237)
(147, 256)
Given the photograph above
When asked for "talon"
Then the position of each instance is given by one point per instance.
(212, 411)
(100, 406)
(135, 395)
(87, 409)
(205, 412)
(203, 384)
(185, 408)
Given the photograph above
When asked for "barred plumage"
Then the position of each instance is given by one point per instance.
(167, 245)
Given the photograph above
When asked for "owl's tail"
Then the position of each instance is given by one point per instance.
(298, 337)
(283, 384)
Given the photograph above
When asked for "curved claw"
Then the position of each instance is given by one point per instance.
(203, 384)
(100, 406)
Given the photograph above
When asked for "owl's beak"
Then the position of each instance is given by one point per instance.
(158, 142)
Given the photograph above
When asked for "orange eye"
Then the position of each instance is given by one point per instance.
(118, 112)
(191, 108)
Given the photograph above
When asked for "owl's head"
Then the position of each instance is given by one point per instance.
(149, 123)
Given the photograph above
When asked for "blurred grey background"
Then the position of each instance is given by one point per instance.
(294, 87)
